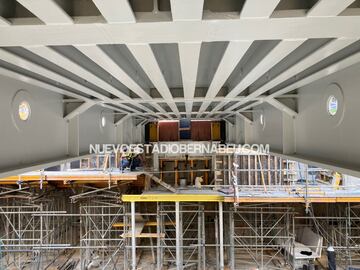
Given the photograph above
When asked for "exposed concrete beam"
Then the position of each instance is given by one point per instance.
(40, 84)
(146, 58)
(258, 8)
(79, 110)
(4, 22)
(186, 10)
(281, 107)
(340, 65)
(115, 11)
(313, 58)
(199, 99)
(328, 7)
(32, 67)
(279, 52)
(178, 31)
(97, 55)
(246, 119)
(47, 10)
(60, 60)
(189, 53)
(233, 54)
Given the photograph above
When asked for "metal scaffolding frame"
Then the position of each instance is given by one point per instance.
(34, 233)
(259, 234)
(101, 243)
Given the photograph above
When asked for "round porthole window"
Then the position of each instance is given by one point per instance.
(332, 105)
(24, 111)
(103, 121)
(262, 121)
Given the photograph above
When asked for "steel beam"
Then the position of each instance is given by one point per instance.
(313, 58)
(146, 58)
(115, 11)
(233, 54)
(60, 60)
(178, 31)
(328, 7)
(79, 110)
(186, 10)
(47, 10)
(258, 8)
(279, 52)
(281, 107)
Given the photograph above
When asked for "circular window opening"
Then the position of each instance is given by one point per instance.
(332, 105)
(24, 110)
(262, 119)
(103, 121)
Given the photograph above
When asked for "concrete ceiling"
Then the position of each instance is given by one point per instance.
(177, 58)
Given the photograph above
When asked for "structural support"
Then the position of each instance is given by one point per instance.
(281, 107)
(133, 237)
(233, 54)
(79, 110)
(178, 221)
(221, 235)
(48, 11)
(146, 58)
(115, 11)
(258, 8)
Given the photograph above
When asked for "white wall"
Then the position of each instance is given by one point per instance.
(43, 137)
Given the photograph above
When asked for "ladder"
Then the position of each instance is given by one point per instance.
(220, 170)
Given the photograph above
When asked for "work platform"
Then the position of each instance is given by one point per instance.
(284, 194)
(74, 177)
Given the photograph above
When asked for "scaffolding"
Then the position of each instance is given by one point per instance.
(261, 237)
(102, 243)
(33, 232)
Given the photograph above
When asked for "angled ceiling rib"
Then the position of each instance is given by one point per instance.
(189, 53)
(283, 49)
(236, 50)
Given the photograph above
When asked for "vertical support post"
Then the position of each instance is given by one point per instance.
(203, 239)
(158, 230)
(133, 239)
(221, 235)
(232, 235)
(178, 223)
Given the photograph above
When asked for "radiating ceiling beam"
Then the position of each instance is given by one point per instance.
(189, 53)
(33, 67)
(236, 50)
(336, 67)
(187, 10)
(232, 55)
(97, 55)
(79, 110)
(305, 63)
(4, 22)
(115, 11)
(281, 107)
(146, 59)
(328, 7)
(47, 10)
(258, 8)
(40, 84)
(285, 47)
(178, 31)
(62, 61)
(279, 52)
